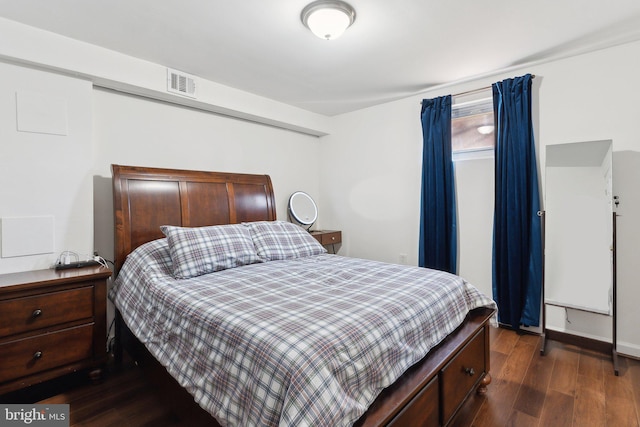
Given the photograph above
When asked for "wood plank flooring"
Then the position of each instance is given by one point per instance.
(569, 386)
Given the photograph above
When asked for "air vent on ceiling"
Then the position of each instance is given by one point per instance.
(181, 83)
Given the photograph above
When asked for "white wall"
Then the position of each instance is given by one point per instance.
(46, 173)
(592, 97)
(68, 177)
(365, 175)
(370, 179)
(374, 182)
(129, 130)
(474, 187)
(22, 44)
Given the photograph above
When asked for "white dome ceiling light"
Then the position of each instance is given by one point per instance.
(485, 129)
(328, 19)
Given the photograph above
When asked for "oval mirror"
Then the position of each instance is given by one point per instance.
(303, 209)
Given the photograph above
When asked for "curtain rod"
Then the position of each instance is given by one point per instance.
(469, 92)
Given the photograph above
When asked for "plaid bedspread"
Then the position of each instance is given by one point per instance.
(311, 341)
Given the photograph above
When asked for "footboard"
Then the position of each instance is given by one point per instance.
(437, 387)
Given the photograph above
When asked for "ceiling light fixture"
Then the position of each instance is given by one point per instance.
(485, 129)
(328, 19)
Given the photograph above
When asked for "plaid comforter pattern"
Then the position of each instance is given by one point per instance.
(304, 342)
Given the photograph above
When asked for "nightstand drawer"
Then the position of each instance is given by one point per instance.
(327, 237)
(39, 311)
(52, 323)
(30, 355)
(331, 238)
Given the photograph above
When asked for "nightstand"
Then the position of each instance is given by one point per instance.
(327, 237)
(51, 323)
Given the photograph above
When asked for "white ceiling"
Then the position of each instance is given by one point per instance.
(394, 49)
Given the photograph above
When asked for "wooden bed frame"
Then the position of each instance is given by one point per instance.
(429, 393)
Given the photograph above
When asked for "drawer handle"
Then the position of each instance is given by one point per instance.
(333, 238)
(470, 371)
(37, 312)
(37, 355)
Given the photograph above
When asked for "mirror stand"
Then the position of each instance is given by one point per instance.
(614, 349)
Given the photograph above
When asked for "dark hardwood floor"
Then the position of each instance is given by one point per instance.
(569, 386)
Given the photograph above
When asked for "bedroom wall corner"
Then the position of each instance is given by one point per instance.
(374, 184)
(135, 131)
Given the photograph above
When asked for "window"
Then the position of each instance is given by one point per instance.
(472, 129)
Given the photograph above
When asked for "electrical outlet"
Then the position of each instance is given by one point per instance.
(402, 258)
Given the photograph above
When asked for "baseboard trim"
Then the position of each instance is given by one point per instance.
(583, 342)
(628, 350)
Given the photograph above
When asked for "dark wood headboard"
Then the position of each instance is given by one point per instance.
(146, 198)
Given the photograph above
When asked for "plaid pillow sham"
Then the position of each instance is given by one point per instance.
(281, 240)
(200, 250)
